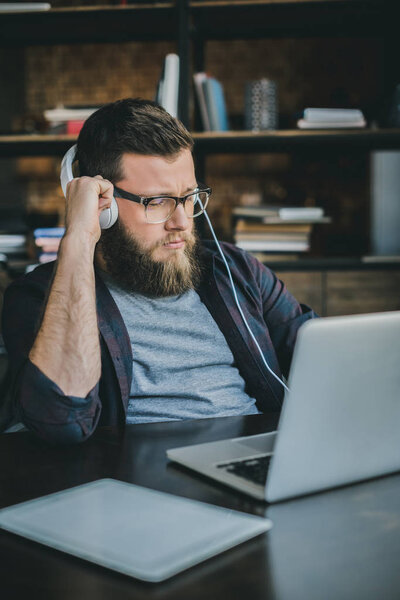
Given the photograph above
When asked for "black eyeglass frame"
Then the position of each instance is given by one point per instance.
(145, 200)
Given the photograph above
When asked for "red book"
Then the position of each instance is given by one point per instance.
(74, 126)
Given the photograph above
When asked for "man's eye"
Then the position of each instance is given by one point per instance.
(157, 202)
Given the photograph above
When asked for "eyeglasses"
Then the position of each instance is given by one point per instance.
(158, 209)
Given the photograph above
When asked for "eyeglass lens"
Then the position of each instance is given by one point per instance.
(160, 209)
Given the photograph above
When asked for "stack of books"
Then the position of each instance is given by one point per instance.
(12, 244)
(211, 101)
(275, 233)
(64, 119)
(331, 118)
(47, 242)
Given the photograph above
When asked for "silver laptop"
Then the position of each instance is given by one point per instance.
(339, 424)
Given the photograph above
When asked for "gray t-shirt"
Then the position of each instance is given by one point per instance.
(183, 367)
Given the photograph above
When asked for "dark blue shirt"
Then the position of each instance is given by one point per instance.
(272, 312)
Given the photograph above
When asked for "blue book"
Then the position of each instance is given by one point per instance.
(214, 94)
(49, 232)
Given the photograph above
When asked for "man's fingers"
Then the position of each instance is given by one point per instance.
(106, 188)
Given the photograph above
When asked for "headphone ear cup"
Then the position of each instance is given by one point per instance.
(109, 215)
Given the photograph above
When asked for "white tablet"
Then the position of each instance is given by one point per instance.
(140, 532)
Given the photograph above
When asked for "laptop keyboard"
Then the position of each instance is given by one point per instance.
(252, 469)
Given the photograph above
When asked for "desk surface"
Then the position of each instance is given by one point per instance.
(342, 544)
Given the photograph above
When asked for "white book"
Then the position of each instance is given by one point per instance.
(12, 240)
(170, 85)
(199, 78)
(273, 246)
(61, 114)
(303, 124)
(301, 212)
(23, 6)
(333, 114)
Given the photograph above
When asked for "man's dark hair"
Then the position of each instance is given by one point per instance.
(131, 125)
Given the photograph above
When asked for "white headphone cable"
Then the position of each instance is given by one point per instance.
(238, 303)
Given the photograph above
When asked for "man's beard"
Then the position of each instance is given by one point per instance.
(133, 268)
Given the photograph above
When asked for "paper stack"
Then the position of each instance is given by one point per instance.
(331, 118)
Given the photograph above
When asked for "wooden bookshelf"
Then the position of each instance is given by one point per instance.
(227, 142)
(218, 19)
(289, 140)
(90, 24)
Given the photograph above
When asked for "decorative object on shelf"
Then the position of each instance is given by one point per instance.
(261, 105)
(331, 118)
(167, 94)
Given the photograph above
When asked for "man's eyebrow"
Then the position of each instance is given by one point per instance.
(189, 189)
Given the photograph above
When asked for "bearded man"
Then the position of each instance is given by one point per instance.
(138, 323)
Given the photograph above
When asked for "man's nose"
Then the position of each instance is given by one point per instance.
(178, 220)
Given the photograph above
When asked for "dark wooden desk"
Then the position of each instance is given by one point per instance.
(343, 544)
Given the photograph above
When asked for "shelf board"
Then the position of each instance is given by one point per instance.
(332, 264)
(292, 139)
(90, 24)
(228, 142)
(12, 146)
(220, 19)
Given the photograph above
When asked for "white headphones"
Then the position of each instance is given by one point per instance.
(109, 215)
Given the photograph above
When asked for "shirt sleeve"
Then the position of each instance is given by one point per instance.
(37, 401)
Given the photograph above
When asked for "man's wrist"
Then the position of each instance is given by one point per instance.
(77, 243)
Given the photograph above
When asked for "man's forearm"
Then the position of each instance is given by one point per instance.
(67, 347)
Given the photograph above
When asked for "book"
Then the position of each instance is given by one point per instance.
(303, 124)
(62, 114)
(279, 214)
(199, 78)
(47, 242)
(274, 245)
(49, 232)
(168, 88)
(74, 127)
(243, 226)
(272, 237)
(334, 115)
(274, 256)
(215, 102)
(331, 118)
(12, 243)
(301, 212)
(384, 258)
(24, 6)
